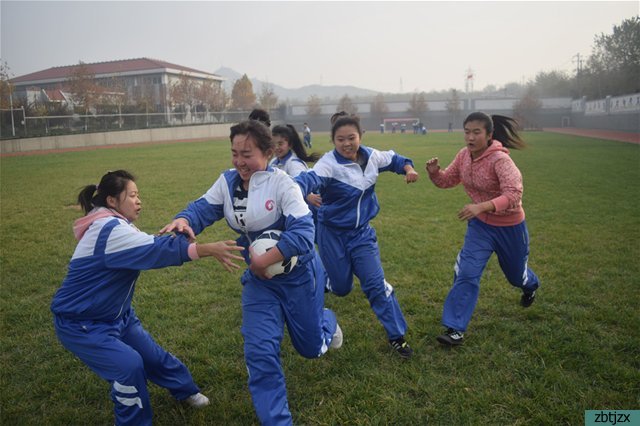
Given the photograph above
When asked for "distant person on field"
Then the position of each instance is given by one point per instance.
(306, 133)
(93, 316)
(345, 178)
(381, 127)
(252, 198)
(495, 219)
(261, 116)
(450, 128)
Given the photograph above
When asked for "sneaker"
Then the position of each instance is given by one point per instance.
(197, 400)
(401, 347)
(451, 337)
(336, 342)
(527, 299)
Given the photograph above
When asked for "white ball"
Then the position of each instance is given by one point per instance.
(267, 240)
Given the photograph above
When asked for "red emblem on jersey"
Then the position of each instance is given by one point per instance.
(269, 205)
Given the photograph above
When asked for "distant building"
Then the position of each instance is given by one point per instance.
(140, 78)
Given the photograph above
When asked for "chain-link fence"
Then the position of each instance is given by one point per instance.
(15, 124)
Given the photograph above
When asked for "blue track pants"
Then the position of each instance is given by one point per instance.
(511, 245)
(348, 252)
(296, 300)
(123, 353)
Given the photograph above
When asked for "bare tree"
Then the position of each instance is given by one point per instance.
(526, 110)
(453, 106)
(418, 105)
(267, 99)
(379, 107)
(345, 104)
(314, 107)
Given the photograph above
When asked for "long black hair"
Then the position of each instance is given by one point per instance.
(504, 129)
(290, 134)
(112, 184)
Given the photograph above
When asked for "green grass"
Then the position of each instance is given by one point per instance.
(576, 348)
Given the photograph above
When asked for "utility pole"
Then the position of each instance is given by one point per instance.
(576, 59)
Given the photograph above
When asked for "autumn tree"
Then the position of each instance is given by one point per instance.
(314, 107)
(83, 87)
(268, 98)
(183, 91)
(379, 107)
(345, 104)
(6, 88)
(527, 109)
(242, 96)
(212, 96)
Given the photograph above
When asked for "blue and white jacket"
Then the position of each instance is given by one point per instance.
(274, 202)
(348, 193)
(291, 164)
(106, 263)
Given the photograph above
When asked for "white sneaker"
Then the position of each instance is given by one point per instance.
(336, 342)
(197, 400)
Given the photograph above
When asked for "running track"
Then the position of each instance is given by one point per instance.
(600, 134)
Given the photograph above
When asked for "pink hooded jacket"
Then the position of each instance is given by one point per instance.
(491, 177)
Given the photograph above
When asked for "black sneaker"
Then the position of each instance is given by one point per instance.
(527, 299)
(451, 337)
(401, 347)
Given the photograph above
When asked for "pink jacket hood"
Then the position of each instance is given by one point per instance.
(81, 225)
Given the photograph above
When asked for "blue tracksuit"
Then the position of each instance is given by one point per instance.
(511, 245)
(295, 299)
(347, 243)
(94, 319)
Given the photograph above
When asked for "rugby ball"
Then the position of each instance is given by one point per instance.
(265, 242)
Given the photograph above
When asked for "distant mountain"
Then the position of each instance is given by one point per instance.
(301, 94)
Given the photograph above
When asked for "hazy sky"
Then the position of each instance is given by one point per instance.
(383, 46)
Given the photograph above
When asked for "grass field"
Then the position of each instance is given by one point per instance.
(576, 348)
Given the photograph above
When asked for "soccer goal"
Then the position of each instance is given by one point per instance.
(398, 124)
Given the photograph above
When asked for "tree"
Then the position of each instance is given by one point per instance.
(453, 106)
(6, 88)
(526, 110)
(418, 105)
(314, 107)
(212, 95)
(345, 104)
(379, 107)
(614, 64)
(183, 92)
(242, 96)
(553, 84)
(83, 87)
(268, 99)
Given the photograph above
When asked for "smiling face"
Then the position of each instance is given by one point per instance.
(347, 141)
(282, 146)
(127, 203)
(247, 158)
(476, 137)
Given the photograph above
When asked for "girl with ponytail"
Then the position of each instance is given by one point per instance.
(495, 218)
(93, 316)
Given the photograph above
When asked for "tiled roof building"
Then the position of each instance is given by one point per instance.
(139, 78)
